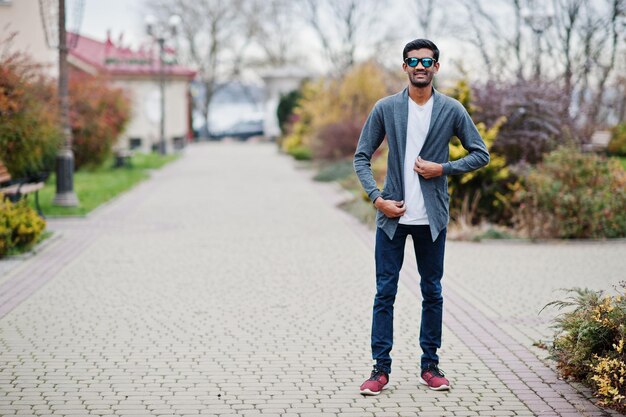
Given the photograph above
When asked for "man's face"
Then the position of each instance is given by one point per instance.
(419, 76)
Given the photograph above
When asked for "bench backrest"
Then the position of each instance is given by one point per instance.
(4, 173)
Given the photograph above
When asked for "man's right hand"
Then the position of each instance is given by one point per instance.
(390, 208)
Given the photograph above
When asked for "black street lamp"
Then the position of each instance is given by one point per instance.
(161, 32)
(65, 195)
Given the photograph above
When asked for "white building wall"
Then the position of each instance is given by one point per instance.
(23, 18)
(278, 82)
(146, 112)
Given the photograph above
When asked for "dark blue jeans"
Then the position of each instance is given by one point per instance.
(389, 258)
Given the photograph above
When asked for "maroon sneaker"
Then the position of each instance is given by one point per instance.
(376, 383)
(434, 378)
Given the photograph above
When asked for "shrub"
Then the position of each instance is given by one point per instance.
(572, 195)
(98, 114)
(337, 140)
(617, 145)
(483, 194)
(335, 171)
(589, 344)
(29, 132)
(301, 153)
(537, 120)
(20, 226)
(331, 113)
(286, 106)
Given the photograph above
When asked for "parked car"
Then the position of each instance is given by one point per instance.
(241, 130)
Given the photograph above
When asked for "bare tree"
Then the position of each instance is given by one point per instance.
(490, 33)
(608, 46)
(273, 23)
(573, 43)
(213, 35)
(567, 16)
(342, 25)
(429, 17)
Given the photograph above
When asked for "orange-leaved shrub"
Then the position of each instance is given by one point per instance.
(29, 130)
(98, 114)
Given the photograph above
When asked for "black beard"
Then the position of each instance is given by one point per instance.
(419, 84)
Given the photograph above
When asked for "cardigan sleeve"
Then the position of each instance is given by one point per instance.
(478, 155)
(371, 137)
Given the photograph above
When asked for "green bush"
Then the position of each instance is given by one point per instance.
(589, 344)
(20, 226)
(335, 171)
(617, 145)
(572, 195)
(301, 153)
(286, 106)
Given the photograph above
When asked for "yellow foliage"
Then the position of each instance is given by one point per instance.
(601, 313)
(469, 189)
(20, 226)
(330, 101)
(497, 169)
(462, 92)
(610, 377)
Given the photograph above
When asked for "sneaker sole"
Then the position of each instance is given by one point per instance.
(439, 388)
(370, 392)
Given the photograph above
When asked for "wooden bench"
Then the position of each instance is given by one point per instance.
(599, 141)
(15, 190)
(123, 158)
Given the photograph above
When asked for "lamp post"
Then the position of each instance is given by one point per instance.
(65, 195)
(538, 21)
(160, 32)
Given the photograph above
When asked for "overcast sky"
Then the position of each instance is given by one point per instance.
(118, 16)
(127, 17)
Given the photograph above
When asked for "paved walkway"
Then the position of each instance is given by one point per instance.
(230, 285)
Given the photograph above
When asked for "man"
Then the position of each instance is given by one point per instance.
(419, 123)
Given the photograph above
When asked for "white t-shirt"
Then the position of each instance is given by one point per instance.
(417, 129)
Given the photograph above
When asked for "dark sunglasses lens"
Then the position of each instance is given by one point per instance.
(426, 62)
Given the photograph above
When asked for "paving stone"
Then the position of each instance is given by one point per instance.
(258, 289)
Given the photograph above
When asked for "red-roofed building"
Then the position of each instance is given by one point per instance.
(138, 72)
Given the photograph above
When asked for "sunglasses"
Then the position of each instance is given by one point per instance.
(426, 62)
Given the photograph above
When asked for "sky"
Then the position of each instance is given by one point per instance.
(118, 16)
(127, 17)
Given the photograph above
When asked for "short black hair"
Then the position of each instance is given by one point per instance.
(420, 44)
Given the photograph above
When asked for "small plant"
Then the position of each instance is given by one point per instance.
(301, 153)
(335, 171)
(20, 227)
(589, 344)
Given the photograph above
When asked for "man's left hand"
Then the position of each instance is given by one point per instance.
(427, 169)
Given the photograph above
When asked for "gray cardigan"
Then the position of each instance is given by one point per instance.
(389, 117)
